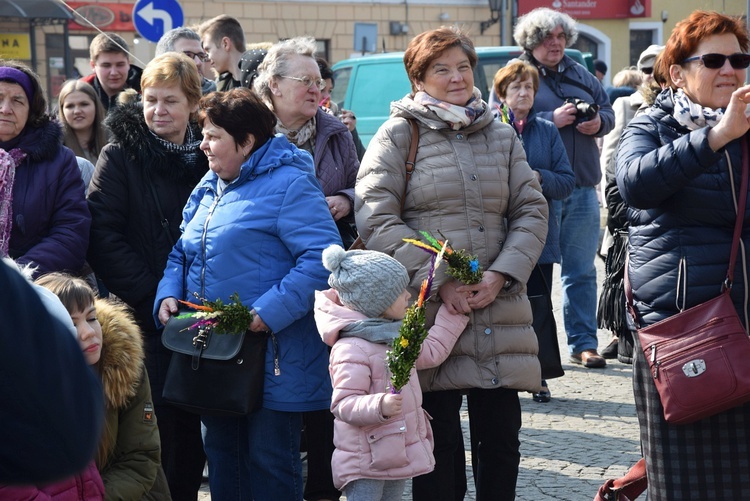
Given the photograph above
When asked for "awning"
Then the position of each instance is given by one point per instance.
(34, 9)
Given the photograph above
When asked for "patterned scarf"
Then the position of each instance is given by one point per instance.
(457, 117)
(300, 136)
(9, 160)
(187, 151)
(691, 115)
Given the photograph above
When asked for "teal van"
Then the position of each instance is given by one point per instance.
(367, 85)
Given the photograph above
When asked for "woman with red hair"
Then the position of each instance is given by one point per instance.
(678, 166)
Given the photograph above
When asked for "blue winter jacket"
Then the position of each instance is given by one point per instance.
(545, 153)
(681, 213)
(263, 238)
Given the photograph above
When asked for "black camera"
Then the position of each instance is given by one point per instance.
(584, 111)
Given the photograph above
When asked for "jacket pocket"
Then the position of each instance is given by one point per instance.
(388, 446)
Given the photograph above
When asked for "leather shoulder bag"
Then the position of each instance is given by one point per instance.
(699, 357)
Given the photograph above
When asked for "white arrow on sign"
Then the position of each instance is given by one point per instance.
(149, 14)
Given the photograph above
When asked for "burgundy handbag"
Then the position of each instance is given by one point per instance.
(700, 357)
(627, 487)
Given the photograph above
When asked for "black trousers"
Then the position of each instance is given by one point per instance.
(494, 423)
(319, 443)
(182, 455)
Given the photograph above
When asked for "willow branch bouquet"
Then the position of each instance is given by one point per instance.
(219, 317)
(461, 265)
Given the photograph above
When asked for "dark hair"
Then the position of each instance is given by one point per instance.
(514, 70)
(38, 116)
(325, 68)
(689, 33)
(240, 113)
(428, 46)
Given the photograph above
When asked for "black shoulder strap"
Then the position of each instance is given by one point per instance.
(164, 220)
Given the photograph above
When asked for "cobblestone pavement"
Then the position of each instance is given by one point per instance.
(586, 434)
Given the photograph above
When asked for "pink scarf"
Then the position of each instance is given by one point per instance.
(8, 163)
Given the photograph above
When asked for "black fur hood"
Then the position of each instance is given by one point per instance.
(129, 130)
(39, 143)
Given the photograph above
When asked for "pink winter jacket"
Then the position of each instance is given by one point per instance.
(367, 444)
(86, 486)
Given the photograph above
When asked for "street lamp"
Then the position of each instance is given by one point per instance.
(495, 13)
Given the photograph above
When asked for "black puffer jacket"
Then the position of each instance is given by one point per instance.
(681, 210)
(129, 246)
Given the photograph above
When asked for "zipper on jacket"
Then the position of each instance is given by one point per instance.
(276, 365)
(203, 243)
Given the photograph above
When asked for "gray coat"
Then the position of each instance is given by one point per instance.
(475, 187)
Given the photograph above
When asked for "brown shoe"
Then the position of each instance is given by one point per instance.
(588, 358)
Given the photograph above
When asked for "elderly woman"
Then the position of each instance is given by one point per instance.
(142, 181)
(515, 86)
(675, 166)
(543, 34)
(289, 82)
(472, 184)
(44, 221)
(82, 116)
(258, 213)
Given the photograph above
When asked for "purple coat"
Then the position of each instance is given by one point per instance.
(50, 217)
(335, 158)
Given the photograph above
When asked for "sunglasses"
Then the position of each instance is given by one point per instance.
(308, 82)
(715, 61)
(202, 56)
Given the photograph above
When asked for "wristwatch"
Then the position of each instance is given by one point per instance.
(508, 282)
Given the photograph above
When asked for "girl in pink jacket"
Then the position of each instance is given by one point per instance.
(382, 439)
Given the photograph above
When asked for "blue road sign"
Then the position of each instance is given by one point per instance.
(153, 18)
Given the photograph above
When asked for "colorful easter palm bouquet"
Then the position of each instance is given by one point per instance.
(461, 265)
(230, 318)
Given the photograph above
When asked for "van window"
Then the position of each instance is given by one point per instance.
(484, 74)
(340, 84)
(377, 86)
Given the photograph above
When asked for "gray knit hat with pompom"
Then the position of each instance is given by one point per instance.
(367, 281)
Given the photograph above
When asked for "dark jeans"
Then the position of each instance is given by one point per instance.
(319, 445)
(182, 455)
(494, 422)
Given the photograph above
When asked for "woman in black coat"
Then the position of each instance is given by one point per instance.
(674, 170)
(142, 182)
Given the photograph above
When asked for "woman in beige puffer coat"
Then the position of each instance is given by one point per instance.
(471, 184)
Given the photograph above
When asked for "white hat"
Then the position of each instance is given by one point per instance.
(648, 56)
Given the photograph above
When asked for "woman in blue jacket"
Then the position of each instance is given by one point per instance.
(257, 225)
(516, 86)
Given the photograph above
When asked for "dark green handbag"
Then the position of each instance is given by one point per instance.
(213, 374)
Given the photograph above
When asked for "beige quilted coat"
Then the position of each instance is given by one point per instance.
(475, 187)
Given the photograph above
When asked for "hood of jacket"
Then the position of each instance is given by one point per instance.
(408, 108)
(277, 152)
(121, 362)
(39, 143)
(332, 317)
(129, 130)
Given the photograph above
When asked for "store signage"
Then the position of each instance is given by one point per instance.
(105, 16)
(591, 9)
(15, 46)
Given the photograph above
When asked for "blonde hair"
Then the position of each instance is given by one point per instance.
(174, 68)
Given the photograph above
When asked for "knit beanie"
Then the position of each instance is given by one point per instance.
(367, 281)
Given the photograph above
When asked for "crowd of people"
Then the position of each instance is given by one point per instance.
(153, 189)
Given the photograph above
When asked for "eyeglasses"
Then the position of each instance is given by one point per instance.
(647, 71)
(561, 37)
(202, 56)
(309, 81)
(738, 61)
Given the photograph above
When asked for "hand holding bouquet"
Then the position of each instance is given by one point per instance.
(231, 318)
(461, 265)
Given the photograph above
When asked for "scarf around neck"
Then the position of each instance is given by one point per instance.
(457, 117)
(692, 115)
(374, 330)
(187, 151)
(299, 136)
(9, 160)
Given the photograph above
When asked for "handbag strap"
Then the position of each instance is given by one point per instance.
(740, 216)
(164, 220)
(411, 158)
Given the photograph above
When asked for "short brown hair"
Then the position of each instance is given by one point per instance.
(107, 42)
(174, 68)
(241, 113)
(224, 26)
(514, 70)
(74, 293)
(690, 32)
(428, 46)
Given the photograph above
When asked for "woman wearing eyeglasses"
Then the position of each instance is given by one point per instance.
(673, 171)
(289, 82)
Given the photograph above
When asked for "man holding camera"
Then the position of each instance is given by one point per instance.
(575, 101)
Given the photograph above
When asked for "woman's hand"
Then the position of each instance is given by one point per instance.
(258, 325)
(167, 308)
(339, 205)
(391, 404)
(348, 119)
(456, 302)
(590, 127)
(485, 292)
(734, 123)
